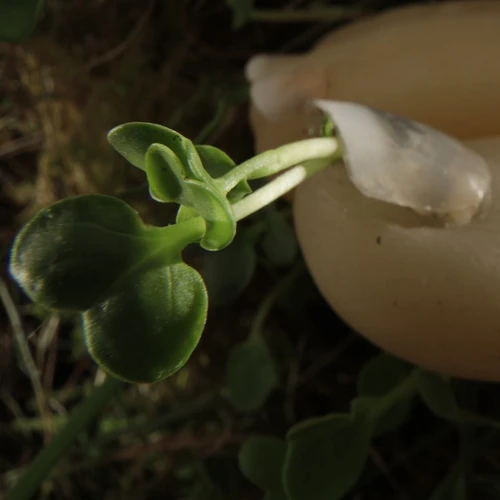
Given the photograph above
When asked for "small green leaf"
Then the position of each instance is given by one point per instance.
(227, 273)
(149, 325)
(279, 241)
(437, 395)
(324, 457)
(217, 163)
(165, 174)
(18, 18)
(261, 460)
(242, 10)
(251, 375)
(132, 140)
(451, 488)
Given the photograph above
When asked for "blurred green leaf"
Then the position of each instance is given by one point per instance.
(242, 10)
(251, 375)
(18, 18)
(324, 457)
(279, 241)
(437, 394)
(261, 460)
(451, 488)
(380, 376)
(366, 409)
(228, 272)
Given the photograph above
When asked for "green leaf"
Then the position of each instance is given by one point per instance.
(251, 375)
(227, 273)
(217, 163)
(144, 309)
(381, 374)
(70, 253)
(132, 140)
(451, 488)
(261, 460)
(148, 327)
(379, 377)
(437, 395)
(165, 174)
(279, 241)
(325, 457)
(242, 9)
(18, 18)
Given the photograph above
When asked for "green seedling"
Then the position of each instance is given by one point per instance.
(143, 309)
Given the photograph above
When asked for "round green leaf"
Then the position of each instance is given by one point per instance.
(437, 395)
(70, 253)
(261, 460)
(148, 327)
(251, 375)
(324, 457)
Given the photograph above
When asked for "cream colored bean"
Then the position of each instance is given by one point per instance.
(427, 292)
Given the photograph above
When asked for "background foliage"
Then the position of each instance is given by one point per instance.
(90, 65)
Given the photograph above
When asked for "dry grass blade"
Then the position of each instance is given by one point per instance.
(26, 359)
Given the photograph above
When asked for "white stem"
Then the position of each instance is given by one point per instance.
(277, 187)
(275, 160)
